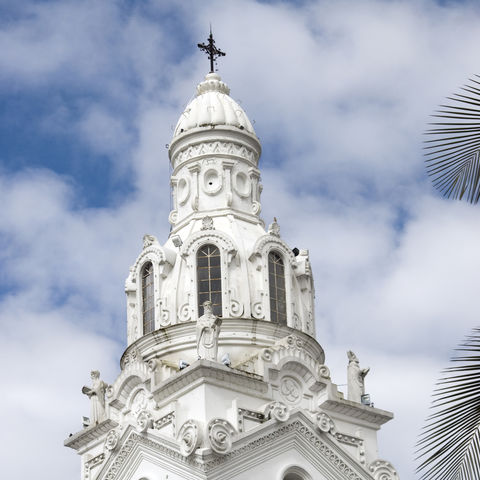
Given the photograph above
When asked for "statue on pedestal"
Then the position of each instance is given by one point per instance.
(96, 394)
(356, 378)
(208, 329)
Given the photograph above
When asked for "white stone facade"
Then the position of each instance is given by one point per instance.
(268, 407)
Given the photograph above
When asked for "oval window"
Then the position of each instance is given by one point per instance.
(183, 190)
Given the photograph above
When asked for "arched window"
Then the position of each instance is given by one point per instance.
(148, 306)
(276, 281)
(209, 278)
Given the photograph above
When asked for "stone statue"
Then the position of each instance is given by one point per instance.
(356, 378)
(208, 329)
(96, 394)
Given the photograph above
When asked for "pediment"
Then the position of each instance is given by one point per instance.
(271, 442)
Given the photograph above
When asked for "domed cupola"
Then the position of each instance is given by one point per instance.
(212, 107)
(214, 154)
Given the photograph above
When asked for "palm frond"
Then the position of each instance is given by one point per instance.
(449, 446)
(453, 145)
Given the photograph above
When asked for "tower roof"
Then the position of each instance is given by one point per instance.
(212, 106)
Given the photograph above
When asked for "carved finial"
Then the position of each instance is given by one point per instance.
(207, 223)
(148, 240)
(211, 50)
(274, 228)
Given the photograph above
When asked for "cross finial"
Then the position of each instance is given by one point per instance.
(211, 50)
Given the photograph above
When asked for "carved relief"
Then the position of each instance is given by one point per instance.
(189, 437)
(207, 223)
(220, 435)
(277, 410)
(236, 308)
(173, 217)
(139, 402)
(324, 423)
(291, 390)
(184, 312)
(256, 208)
(221, 148)
(164, 313)
(383, 470)
(131, 357)
(144, 421)
(148, 240)
(111, 440)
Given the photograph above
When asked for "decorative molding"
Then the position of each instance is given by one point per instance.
(324, 452)
(324, 423)
(218, 148)
(221, 434)
(111, 440)
(205, 236)
(167, 419)
(189, 437)
(291, 390)
(267, 242)
(243, 413)
(383, 470)
(92, 463)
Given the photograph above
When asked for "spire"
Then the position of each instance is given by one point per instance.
(211, 50)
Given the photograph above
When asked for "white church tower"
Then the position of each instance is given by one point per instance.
(222, 377)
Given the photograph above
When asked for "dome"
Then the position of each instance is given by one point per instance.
(213, 106)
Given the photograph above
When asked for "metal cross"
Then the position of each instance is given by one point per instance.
(211, 50)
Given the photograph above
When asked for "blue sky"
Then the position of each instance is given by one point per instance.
(340, 92)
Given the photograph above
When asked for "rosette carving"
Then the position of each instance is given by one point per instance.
(324, 423)
(383, 470)
(144, 421)
(277, 410)
(220, 434)
(189, 437)
(111, 440)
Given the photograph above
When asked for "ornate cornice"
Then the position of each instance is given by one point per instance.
(84, 437)
(321, 451)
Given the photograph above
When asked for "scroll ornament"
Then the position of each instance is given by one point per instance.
(189, 437)
(220, 434)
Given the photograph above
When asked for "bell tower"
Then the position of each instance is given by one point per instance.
(222, 377)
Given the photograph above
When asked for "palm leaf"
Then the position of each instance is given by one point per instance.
(453, 145)
(449, 447)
